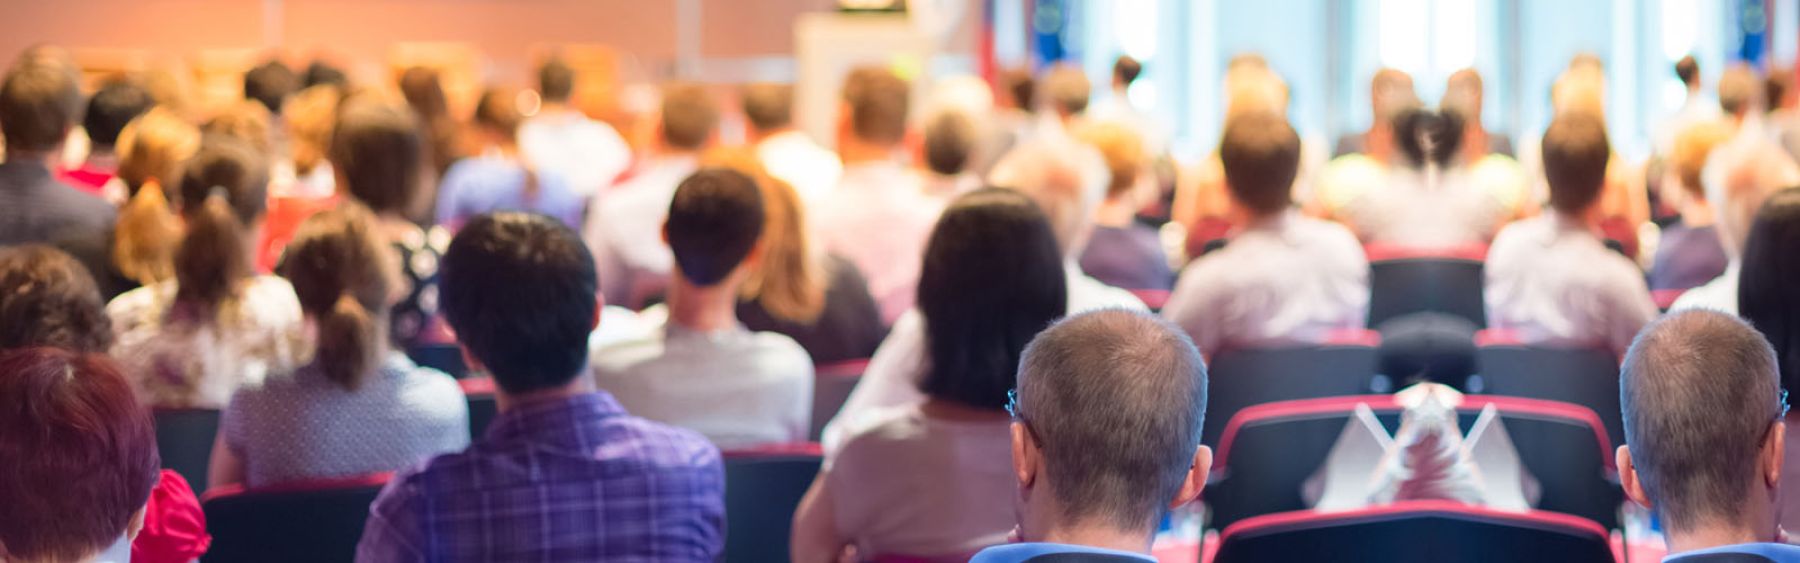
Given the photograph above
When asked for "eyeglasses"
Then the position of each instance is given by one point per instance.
(1781, 405)
(1012, 408)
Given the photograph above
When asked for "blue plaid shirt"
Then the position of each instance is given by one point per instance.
(573, 479)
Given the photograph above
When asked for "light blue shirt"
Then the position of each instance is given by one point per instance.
(1014, 553)
(484, 184)
(1778, 552)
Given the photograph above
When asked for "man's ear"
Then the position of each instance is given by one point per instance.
(1026, 462)
(1774, 452)
(664, 233)
(1196, 478)
(1628, 479)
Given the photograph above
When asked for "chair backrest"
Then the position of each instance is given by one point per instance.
(1155, 299)
(447, 358)
(184, 439)
(1238, 379)
(763, 487)
(1417, 284)
(832, 384)
(1417, 531)
(479, 391)
(1269, 451)
(306, 521)
(1584, 376)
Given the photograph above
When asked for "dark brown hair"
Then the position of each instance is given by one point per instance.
(223, 189)
(877, 101)
(689, 115)
(38, 104)
(376, 149)
(48, 299)
(1575, 156)
(1260, 153)
(343, 273)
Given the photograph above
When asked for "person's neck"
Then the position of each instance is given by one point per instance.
(396, 226)
(759, 135)
(666, 152)
(1710, 537)
(581, 385)
(1697, 213)
(856, 151)
(1104, 538)
(1043, 520)
(102, 158)
(560, 107)
(1115, 212)
(46, 158)
(703, 309)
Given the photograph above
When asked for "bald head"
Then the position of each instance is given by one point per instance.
(1739, 175)
(1065, 178)
(1116, 399)
(1699, 392)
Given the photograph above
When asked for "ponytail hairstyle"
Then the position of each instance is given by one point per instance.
(152, 149)
(790, 281)
(344, 275)
(1429, 137)
(224, 188)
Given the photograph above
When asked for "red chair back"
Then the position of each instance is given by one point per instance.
(1416, 531)
(1403, 281)
(1586, 376)
(301, 521)
(1242, 378)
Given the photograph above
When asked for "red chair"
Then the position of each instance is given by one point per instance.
(281, 223)
(1586, 376)
(1241, 378)
(1435, 531)
(763, 487)
(1403, 281)
(184, 439)
(1155, 299)
(299, 522)
(832, 384)
(1665, 298)
(479, 391)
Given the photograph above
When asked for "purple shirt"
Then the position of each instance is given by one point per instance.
(573, 479)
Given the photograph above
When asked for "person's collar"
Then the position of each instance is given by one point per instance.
(544, 417)
(1022, 552)
(118, 552)
(1273, 222)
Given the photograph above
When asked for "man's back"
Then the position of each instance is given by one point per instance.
(590, 154)
(880, 218)
(35, 207)
(558, 480)
(1553, 282)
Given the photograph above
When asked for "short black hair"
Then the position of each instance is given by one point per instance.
(1699, 393)
(38, 105)
(1688, 70)
(1767, 294)
(715, 220)
(1575, 155)
(991, 280)
(321, 72)
(1260, 153)
(1428, 136)
(556, 80)
(950, 139)
(376, 149)
(1127, 69)
(116, 104)
(519, 290)
(270, 84)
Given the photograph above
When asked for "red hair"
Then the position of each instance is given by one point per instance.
(81, 454)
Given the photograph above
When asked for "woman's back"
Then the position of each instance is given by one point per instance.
(1427, 209)
(923, 486)
(178, 356)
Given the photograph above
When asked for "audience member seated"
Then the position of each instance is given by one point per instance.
(1430, 199)
(270, 84)
(48, 299)
(1123, 252)
(820, 300)
(358, 407)
(39, 103)
(756, 387)
(444, 135)
(1063, 91)
(496, 179)
(307, 117)
(1284, 278)
(1390, 92)
(379, 156)
(1704, 437)
(1105, 438)
(948, 147)
(561, 139)
(1690, 252)
(1696, 107)
(1151, 129)
(625, 227)
(193, 339)
(81, 458)
(1551, 279)
(153, 148)
(1463, 97)
(116, 104)
(1770, 281)
(244, 120)
(563, 472)
(785, 151)
(1739, 176)
(878, 215)
(931, 479)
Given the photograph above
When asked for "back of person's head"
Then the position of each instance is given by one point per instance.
(877, 102)
(116, 104)
(376, 151)
(1579, 90)
(1117, 398)
(1018, 87)
(1123, 149)
(309, 117)
(1778, 86)
(1769, 283)
(690, 116)
(321, 73)
(1390, 91)
(992, 278)
(1065, 178)
(1065, 89)
(789, 280)
(49, 299)
(224, 190)
(1260, 154)
(715, 221)
(519, 291)
(1688, 70)
(1254, 89)
(1740, 91)
(1692, 147)
(498, 111)
(1126, 70)
(1428, 137)
(768, 106)
(80, 455)
(1739, 176)
(424, 92)
(154, 146)
(39, 103)
(1462, 95)
(1700, 394)
(245, 121)
(950, 139)
(556, 80)
(270, 84)
(152, 151)
(1575, 155)
(343, 272)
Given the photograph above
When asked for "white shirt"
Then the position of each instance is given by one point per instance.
(1430, 209)
(892, 377)
(1552, 281)
(908, 484)
(177, 359)
(736, 387)
(880, 218)
(1289, 279)
(1720, 294)
(624, 228)
(588, 154)
(794, 158)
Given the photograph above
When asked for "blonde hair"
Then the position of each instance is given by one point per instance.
(152, 149)
(310, 116)
(1123, 150)
(789, 282)
(247, 120)
(1692, 146)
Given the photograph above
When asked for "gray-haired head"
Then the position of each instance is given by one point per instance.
(1116, 400)
(1699, 392)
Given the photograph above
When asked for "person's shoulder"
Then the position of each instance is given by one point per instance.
(881, 429)
(271, 298)
(141, 305)
(1328, 233)
(1520, 233)
(670, 447)
(782, 348)
(1745, 553)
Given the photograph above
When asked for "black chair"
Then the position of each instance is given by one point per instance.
(1583, 376)
(763, 488)
(184, 439)
(446, 358)
(1404, 286)
(299, 522)
(479, 392)
(1238, 379)
(832, 384)
(1435, 531)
